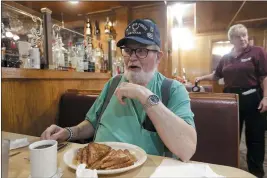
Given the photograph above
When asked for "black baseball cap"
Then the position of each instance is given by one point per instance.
(144, 31)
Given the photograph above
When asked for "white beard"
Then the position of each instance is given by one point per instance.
(141, 78)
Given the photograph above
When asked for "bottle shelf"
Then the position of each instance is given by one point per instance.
(18, 73)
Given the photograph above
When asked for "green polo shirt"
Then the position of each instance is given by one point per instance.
(123, 123)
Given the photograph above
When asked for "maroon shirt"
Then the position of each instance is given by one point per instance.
(245, 70)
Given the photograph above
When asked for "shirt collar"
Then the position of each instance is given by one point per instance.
(246, 50)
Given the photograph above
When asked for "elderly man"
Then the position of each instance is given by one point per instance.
(137, 101)
(244, 71)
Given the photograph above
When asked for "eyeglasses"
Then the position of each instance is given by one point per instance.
(141, 53)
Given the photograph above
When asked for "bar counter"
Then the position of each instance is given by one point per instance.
(31, 97)
(17, 73)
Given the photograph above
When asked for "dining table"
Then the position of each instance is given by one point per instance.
(19, 164)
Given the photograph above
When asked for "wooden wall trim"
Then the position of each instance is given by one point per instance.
(149, 5)
(15, 73)
(213, 96)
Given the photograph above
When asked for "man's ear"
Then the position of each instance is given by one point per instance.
(159, 56)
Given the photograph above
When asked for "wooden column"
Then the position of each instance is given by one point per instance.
(265, 40)
(47, 37)
(123, 19)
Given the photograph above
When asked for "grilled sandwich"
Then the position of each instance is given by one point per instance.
(96, 151)
(102, 157)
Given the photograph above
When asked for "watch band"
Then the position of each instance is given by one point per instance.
(146, 106)
(149, 102)
(70, 132)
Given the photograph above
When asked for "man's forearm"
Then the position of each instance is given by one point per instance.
(176, 134)
(83, 130)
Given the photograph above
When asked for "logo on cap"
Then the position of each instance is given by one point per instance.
(136, 29)
(150, 35)
(142, 31)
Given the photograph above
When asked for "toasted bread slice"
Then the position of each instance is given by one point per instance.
(78, 156)
(126, 164)
(96, 151)
(119, 158)
(132, 157)
(106, 158)
(84, 156)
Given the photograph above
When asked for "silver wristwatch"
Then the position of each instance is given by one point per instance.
(152, 100)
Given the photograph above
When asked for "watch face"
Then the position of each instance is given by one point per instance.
(154, 99)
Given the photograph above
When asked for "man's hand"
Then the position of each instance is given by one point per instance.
(55, 132)
(132, 91)
(263, 105)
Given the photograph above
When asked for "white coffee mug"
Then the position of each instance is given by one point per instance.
(43, 159)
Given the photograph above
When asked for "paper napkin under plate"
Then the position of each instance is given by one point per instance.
(172, 168)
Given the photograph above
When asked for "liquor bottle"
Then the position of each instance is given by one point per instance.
(90, 57)
(3, 57)
(88, 30)
(72, 56)
(184, 75)
(108, 26)
(98, 57)
(66, 58)
(97, 29)
(105, 65)
(80, 57)
(85, 60)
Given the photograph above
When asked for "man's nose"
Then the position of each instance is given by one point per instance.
(133, 56)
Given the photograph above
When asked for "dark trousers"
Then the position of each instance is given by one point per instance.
(254, 129)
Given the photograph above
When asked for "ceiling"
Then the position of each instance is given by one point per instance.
(73, 12)
(216, 16)
(210, 16)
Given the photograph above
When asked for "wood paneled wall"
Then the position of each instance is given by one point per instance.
(29, 106)
(197, 61)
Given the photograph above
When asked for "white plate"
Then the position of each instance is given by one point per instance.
(138, 152)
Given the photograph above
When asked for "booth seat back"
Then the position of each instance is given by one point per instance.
(217, 126)
(216, 119)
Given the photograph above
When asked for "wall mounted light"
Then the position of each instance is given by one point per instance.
(182, 38)
(74, 2)
(182, 35)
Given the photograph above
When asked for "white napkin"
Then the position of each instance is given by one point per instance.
(82, 172)
(172, 168)
(59, 174)
(18, 143)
